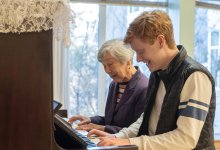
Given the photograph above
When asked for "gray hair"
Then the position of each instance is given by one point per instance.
(118, 49)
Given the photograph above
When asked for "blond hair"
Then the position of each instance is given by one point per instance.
(149, 25)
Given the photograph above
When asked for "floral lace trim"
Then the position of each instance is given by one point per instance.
(19, 16)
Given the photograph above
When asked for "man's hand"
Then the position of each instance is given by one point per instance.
(107, 141)
(82, 119)
(99, 133)
(90, 126)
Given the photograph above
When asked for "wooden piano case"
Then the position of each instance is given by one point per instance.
(26, 91)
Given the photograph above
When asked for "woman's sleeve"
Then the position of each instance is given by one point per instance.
(98, 120)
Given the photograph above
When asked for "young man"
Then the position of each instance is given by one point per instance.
(181, 93)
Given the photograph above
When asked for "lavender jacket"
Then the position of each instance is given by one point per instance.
(130, 106)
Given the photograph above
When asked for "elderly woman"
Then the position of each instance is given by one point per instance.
(126, 96)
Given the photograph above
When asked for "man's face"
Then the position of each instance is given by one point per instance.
(150, 54)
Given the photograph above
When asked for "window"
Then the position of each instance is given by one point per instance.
(82, 61)
(86, 80)
(207, 47)
(214, 51)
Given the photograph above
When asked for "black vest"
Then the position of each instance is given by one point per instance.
(180, 68)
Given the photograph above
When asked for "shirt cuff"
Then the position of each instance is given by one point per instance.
(119, 135)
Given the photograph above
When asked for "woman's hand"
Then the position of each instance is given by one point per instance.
(90, 126)
(83, 120)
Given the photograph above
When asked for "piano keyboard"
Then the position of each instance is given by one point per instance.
(77, 137)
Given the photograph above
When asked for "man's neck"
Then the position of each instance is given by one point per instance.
(170, 56)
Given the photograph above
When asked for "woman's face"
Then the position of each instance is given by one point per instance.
(115, 69)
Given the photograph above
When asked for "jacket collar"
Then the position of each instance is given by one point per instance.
(174, 65)
(129, 88)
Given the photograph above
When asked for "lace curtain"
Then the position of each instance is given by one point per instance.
(18, 16)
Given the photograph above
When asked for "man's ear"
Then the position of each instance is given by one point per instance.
(161, 40)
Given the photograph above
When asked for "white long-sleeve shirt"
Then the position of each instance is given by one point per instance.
(194, 102)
